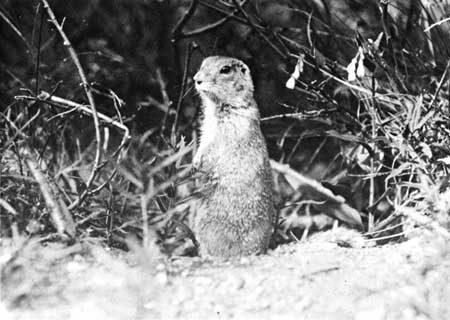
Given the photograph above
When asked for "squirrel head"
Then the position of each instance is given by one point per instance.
(224, 80)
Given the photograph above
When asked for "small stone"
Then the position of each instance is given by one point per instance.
(74, 267)
(161, 278)
(160, 267)
(150, 305)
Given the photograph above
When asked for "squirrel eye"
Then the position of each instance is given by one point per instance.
(225, 69)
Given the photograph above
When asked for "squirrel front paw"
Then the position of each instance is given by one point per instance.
(196, 162)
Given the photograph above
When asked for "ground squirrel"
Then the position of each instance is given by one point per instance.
(235, 215)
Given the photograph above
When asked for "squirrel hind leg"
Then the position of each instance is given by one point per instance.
(229, 244)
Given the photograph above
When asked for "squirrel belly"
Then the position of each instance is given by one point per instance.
(235, 215)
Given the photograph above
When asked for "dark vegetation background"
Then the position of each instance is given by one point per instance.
(381, 141)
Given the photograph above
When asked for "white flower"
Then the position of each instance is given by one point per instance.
(290, 84)
(356, 69)
(351, 68)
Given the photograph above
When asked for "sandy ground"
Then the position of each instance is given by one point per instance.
(306, 280)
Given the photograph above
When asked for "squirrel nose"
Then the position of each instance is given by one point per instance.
(197, 78)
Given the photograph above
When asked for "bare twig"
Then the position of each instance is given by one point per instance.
(89, 96)
(177, 30)
(213, 6)
(59, 212)
(19, 131)
(64, 103)
(181, 93)
(38, 51)
(397, 235)
(300, 116)
(441, 82)
(381, 226)
(258, 30)
(176, 36)
(15, 29)
(373, 118)
(436, 24)
(5, 205)
(210, 26)
(163, 89)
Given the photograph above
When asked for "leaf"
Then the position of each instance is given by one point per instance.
(377, 42)
(334, 206)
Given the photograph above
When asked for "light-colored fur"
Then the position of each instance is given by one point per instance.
(208, 129)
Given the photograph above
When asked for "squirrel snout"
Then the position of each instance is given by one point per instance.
(198, 78)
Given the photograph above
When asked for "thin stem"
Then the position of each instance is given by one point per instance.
(38, 53)
(15, 29)
(210, 26)
(89, 96)
(258, 30)
(178, 31)
(144, 204)
(372, 164)
(441, 83)
(181, 93)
